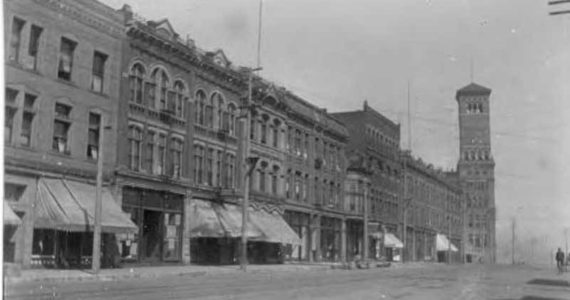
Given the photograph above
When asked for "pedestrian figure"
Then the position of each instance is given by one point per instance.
(560, 260)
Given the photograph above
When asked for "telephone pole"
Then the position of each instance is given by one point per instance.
(513, 240)
(96, 254)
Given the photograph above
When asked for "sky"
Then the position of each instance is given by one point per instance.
(336, 54)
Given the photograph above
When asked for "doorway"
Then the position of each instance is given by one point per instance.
(151, 236)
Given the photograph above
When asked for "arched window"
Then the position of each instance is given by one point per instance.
(180, 98)
(200, 107)
(232, 118)
(209, 112)
(161, 84)
(135, 138)
(276, 125)
(218, 101)
(136, 81)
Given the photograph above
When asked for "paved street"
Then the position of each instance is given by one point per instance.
(404, 282)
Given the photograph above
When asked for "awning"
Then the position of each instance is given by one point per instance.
(443, 244)
(10, 217)
(204, 221)
(230, 217)
(392, 241)
(275, 229)
(69, 205)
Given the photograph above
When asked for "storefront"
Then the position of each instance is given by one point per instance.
(299, 222)
(331, 239)
(63, 225)
(159, 217)
(354, 232)
(215, 231)
(444, 248)
(11, 224)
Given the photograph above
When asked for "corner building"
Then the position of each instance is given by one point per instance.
(62, 88)
(476, 172)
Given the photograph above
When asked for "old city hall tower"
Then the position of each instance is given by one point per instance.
(476, 172)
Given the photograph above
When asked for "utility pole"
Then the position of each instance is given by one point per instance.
(449, 239)
(513, 241)
(405, 201)
(96, 254)
(365, 228)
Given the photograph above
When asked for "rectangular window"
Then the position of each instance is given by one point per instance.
(27, 120)
(65, 66)
(231, 171)
(219, 170)
(10, 113)
(210, 167)
(93, 136)
(198, 163)
(99, 60)
(263, 133)
(261, 173)
(150, 95)
(252, 130)
(149, 151)
(34, 46)
(16, 39)
(275, 135)
(61, 128)
(160, 168)
(177, 146)
(135, 137)
(274, 183)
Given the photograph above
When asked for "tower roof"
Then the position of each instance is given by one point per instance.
(473, 89)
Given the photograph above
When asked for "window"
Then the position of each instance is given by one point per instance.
(10, 112)
(136, 80)
(298, 142)
(16, 39)
(210, 167)
(219, 102)
(276, 134)
(274, 178)
(135, 138)
(232, 119)
(93, 136)
(200, 107)
(61, 128)
(305, 188)
(297, 186)
(161, 160)
(160, 83)
(180, 99)
(252, 129)
(34, 45)
(263, 133)
(177, 147)
(219, 170)
(198, 164)
(99, 60)
(149, 151)
(65, 66)
(209, 116)
(261, 173)
(231, 171)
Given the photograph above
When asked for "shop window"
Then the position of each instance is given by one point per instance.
(16, 39)
(98, 71)
(93, 136)
(66, 51)
(43, 242)
(62, 123)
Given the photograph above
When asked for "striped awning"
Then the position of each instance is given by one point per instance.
(70, 205)
(10, 217)
(443, 244)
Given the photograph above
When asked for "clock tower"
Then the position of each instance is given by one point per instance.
(476, 172)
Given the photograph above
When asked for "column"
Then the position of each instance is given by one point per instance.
(186, 231)
(343, 238)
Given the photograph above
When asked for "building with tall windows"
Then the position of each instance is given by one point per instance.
(476, 172)
(62, 66)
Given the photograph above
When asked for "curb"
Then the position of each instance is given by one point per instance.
(86, 277)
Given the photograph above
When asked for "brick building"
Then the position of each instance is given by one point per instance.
(476, 172)
(62, 63)
(374, 146)
(433, 208)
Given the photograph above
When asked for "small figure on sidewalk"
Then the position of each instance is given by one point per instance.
(560, 260)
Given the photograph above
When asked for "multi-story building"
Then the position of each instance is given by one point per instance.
(476, 172)
(432, 206)
(62, 86)
(314, 170)
(373, 146)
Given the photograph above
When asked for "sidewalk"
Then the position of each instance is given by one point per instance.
(47, 275)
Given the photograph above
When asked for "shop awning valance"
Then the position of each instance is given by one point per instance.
(274, 227)
(443, 244)
(70, 205)
(231, 219)
(204, 221)
(10, 217)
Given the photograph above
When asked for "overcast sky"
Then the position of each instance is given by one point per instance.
(338, 53)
